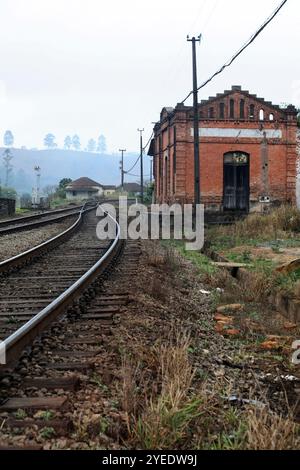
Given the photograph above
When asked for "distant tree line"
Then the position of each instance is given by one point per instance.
(94, 145)
(74, 143)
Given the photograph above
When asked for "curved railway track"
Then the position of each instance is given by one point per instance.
(62, 299)
(37, 220)
(38, 285)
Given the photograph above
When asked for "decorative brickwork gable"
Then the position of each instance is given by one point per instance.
(235, 122)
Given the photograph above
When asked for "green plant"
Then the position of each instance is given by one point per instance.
(20, 414)
(97, 381)
(47, 415)
(47, 433)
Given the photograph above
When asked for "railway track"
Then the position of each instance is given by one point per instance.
(37, 220)
(86, 284)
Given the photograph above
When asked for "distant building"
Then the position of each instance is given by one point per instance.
(132, 189)
(84, 188)
(247, 153)
(109, 190)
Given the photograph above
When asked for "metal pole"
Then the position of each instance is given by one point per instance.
(151, 170)
(196, 121)
(122, 168)
(142, 164)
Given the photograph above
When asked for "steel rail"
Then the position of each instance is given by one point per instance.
(7, 230)
(36, 251)
(10, 226)
(16, 343)
(16, 220)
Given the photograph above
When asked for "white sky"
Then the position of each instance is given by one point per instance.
(93, 66)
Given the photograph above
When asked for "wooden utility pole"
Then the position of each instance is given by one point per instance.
(122, 168)
(142, 164)
(196, 121)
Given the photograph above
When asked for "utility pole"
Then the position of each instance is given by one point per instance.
(36, 191)
(122, 168)
(142, 164)
(151, 170)
(196, 121)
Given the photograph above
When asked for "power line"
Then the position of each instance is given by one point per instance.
(133, 167)
(210, 16)
(152, 135)
(241, 50)
(137, 161)
(138, 176)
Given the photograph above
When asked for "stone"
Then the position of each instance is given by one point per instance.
(230, 308)
(223, 319)
(232, 332)
(290, 326)
(270, 345)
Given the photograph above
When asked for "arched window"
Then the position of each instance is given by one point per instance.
(231, 113)
(271, 117)
(222, 111)
(242, 109)
(252, 111)
(261, 115)
(211, 113)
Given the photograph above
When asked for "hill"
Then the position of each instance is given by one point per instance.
(57, 164)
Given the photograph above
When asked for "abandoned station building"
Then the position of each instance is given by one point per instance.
(247, 153)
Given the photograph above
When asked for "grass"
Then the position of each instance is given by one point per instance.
(20, 414)
(47, 433)
(281, 223)
(57, 202)
(165, 417)
(20, 211)
(173, 410)
(277, 230)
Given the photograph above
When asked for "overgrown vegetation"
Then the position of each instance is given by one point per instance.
(172, 410)
(276, 231)
(282, 223)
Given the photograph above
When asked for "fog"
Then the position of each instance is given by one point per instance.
(93, 67)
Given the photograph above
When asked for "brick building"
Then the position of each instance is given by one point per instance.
(247, 152)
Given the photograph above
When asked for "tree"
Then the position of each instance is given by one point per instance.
(91, 145)
(7, 157)
(61, 191)
(8, 139)
(49, 141)
(50, 190)
(68, 143)
(76, 142)
(64, 183)
(101, 147)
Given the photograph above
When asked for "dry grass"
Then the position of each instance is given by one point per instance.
(257, 287)
(269, 431)
(279, 223)
(168, 409)
(297, 290)
(166, 259)
(285, 219)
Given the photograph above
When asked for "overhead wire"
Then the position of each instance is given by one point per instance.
(242, 49)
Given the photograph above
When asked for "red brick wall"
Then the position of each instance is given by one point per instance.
(178, 185)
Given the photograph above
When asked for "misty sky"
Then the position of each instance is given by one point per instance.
(92, 66)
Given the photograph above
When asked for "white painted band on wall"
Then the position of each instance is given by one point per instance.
(239, 133)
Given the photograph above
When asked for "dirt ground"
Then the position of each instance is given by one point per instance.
(171, 300)
(176, 373)
(280, 257)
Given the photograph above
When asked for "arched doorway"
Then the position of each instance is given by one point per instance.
(236, 181)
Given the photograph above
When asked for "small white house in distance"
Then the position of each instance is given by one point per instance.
(109, 190)
(84, 188)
